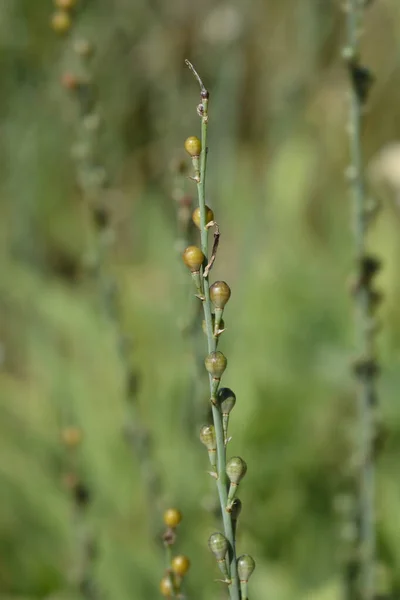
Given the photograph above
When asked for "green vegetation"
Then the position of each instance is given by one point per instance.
(277, 186)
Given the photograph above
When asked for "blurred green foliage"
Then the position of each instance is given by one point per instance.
(278, 154)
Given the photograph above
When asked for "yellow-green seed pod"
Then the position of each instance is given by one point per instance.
(166, 587)
(215, 364)
(193, 258)
(218, 545)
(220, 292)
(60, 21)
(196, 216)
(180, 565)
(172, 517)
(245, 567)
(193, 146)
(226, 400)
(236, 469)
(208, 438)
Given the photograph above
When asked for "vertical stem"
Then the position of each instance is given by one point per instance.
(366, 394)
(234, 590)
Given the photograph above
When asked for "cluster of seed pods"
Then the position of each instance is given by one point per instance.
(222, 399)
(177, 566)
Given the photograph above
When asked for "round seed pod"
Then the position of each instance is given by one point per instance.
(193, 146)
(193, 258)
(71, 436)
(204, 326)
(236, 509)
(180, 565)
(236, 469)
(226, 400)
(196, 216)
(220, 292)
(172, 517)
(166, 587)
(60, 21)
(245, 567)
(65, 4)
(216, 364)
(207, 437)
(218, 545)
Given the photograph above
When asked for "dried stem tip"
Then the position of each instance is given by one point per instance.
(208, 438)
(218, 545)
(193, 146)
(245, 566)
(216, 364)
(172, 517)
(226, 400)
(196, 216)
(180, 565)
(220, 292)
(236, 469)
(193, 258)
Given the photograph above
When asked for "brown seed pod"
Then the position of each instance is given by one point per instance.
(193, 258)
(196, 216)
(220, 292)
(193, 146)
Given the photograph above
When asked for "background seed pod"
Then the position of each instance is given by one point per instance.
(172, 517)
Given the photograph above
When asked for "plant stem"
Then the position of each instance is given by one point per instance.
(364, 333)
(234, 590)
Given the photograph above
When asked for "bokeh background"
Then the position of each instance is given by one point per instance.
(86, 302)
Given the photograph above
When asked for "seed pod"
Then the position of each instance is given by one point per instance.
(197, 219)
(193, 146)
(172, 517)
(60, 21)
(207, 437)
(180, 565)
(235, 469)
(226, 400)
(71, 436)
(216, 364)
(166, 587)
(245, 567)
(220, 292)
(193, 258)
(235, 511)
(218, 545)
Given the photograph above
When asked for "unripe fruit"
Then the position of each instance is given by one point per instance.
(193, 146)
(220, 292)
(245, 567)
(226, 400)
(196, 216)
(166, 587)
(215, 364)
(180, 565)
(61, 21)
(236, 469)
(172, 517)
(207, 437)
(71, 436)
(218, 545)
(65, 4)
(193, 258)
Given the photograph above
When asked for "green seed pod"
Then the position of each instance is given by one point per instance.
(196, 216)
(193, 146)
(245, 567)
(236, 509)
(215, 364)
(236, 469)
(220, 292)
(207, 437)
(226, 400)
(193, 258)
(218, 545)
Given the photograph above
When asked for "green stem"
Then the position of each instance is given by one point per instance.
(364, 337)
(234, 590)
